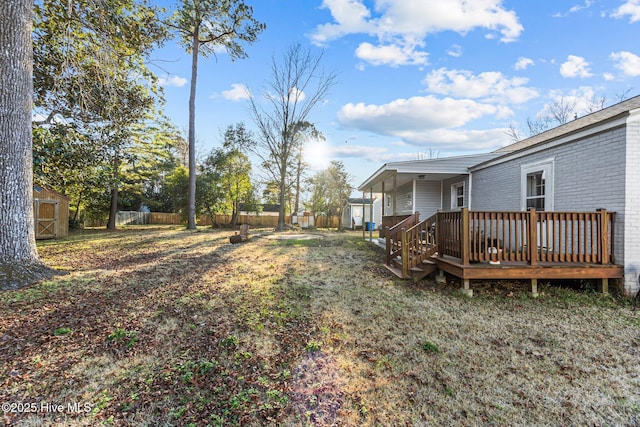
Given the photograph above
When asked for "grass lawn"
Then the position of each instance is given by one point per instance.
(162, 326)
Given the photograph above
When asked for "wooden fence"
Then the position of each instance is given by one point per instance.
(162, 218)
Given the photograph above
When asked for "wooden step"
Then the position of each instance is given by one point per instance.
(396, 271)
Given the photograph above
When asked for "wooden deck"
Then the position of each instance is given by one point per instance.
(495, 245)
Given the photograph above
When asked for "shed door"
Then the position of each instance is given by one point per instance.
(46, 218)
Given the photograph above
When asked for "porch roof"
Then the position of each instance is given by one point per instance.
(428, 169)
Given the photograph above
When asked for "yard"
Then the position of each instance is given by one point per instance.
(162, 326)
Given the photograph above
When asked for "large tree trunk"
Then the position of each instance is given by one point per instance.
(113, 209)
(282, 196)
(19, 261)
(191, 218)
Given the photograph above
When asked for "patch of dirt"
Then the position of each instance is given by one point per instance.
(317, 389)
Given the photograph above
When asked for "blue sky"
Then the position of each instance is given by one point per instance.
(419, 77)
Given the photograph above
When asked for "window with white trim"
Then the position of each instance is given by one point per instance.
(537, 186)
(536, 190)
(457, 195)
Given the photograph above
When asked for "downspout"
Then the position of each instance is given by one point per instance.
(470, 188)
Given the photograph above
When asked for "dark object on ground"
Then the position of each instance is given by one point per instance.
(241, 236)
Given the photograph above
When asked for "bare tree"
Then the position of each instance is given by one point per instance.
(538, 126)
(513, 132)
(596, 103)
(562, 110)
(297, 84)
(19, 261)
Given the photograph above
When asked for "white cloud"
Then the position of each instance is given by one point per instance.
(172, 81)
(350, 16)
(455, 51)
(627, 62)
(425, 121)
(393, 55)
(400, 26)
(487, 86)
(523, 63)
(238, 92)
(296, 95)
(370, 153)
(631, 8)
(575, 66)
(576, 8)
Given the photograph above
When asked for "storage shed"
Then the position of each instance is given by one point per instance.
(51, 213)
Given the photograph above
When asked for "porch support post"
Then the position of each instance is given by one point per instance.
(363, 216)
(464, 236)
(605, 286)
(395, 194)
(534, 288)
(371, 218)
(532, 239)
(383, 198)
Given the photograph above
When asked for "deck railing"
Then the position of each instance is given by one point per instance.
(531, 236)
(393, 235)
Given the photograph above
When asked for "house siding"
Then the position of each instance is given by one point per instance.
(631, 215)
(588, 174)
(446, 191)
(404, 200)
(427, 196)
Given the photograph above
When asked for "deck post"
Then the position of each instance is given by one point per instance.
(532, 238)
(467, 287)
(405, 253)
(605, 286)
(534, 288)
(388, 248)
(604, 236)
(465, 244)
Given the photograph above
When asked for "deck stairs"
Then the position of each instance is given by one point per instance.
(411, 248)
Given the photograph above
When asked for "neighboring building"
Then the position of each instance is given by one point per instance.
(51, 213)
(359, 211)
(590, 163)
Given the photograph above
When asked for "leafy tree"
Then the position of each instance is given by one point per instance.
(85, 50)
(338, 189)
(297, 84)
(331, 189)
(232, 169)
(19, 261)
(90, 68)
(204, 26)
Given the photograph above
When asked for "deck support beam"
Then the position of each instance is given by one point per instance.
(534, 288)
(605, 286)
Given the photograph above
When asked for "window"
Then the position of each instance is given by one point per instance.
(537, 186)
(535, 190)
(457, 195)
